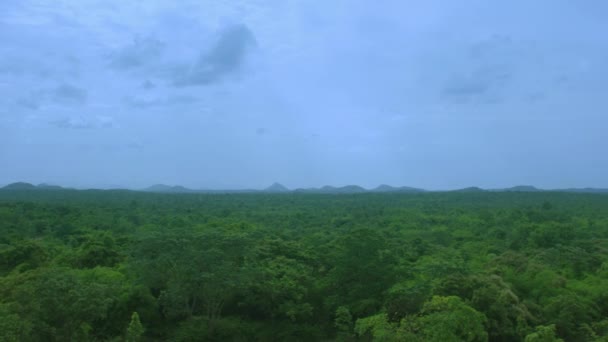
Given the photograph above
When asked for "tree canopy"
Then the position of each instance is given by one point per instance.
(468, 266)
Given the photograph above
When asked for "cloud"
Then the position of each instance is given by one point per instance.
(105, 122)
(223, 59)
(135, 144)
(29, 103)
(261, 131)
(142, 103)
(64, 94)
(73, 123)
(492, 46)
(81, 122)
(68, 94)
(147, 85)
(21, 66)
(137, 54)
(481, 86)
(535, 97)
(490, 64)
(465, 87)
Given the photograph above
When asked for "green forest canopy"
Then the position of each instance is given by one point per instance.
(130, 266)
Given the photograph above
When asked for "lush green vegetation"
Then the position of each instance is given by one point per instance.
(116, 266)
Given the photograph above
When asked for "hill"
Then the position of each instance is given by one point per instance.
(384, 188)
(388, 188)
(20, 186)
(44, 186)
(328, 189)
(167, 189)
(276, 187)
(523, 188)
(470, 189)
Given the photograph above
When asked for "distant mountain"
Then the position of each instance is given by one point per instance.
(384, 188)
(276, 187)
(20, 186)
(470, 189)
(410, 189)
(167, 189)
(307, 190)
(158, 188)
(388, 188)
(328, 189)
(356, 189)
(523, 188)
(28, 186)
(45, 186)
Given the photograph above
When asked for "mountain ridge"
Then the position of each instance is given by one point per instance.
(30, 186)
(326, 189)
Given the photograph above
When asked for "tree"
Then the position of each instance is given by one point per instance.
(446, 319)
(507, 317)
(543, 333)
(193, 274)
(442, 319)
(343, 320)
(569, 312)
(135, 329)
(363, 272)
(12, 327)
(64, 304)
(280, 290)
(406, 299)
(376, 328)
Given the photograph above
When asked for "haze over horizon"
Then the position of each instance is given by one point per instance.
(242, 94)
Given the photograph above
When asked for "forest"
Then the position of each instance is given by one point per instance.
(446, 266)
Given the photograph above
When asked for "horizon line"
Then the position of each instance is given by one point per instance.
(279, 187)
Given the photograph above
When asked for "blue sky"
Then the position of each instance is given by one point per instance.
(232, 94)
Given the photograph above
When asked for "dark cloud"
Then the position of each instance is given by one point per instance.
(81, 122)
(490, 66)
(147, 85)
(68, 94)
(466, 87)
(469, 90)
(142, 103)
(260, 131)
(137, 54)
(482, 85)
(64, 94)
(29, 103)
(224, 58)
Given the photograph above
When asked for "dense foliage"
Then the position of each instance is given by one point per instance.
(129, 266)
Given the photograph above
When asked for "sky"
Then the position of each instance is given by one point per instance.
(240, 94)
